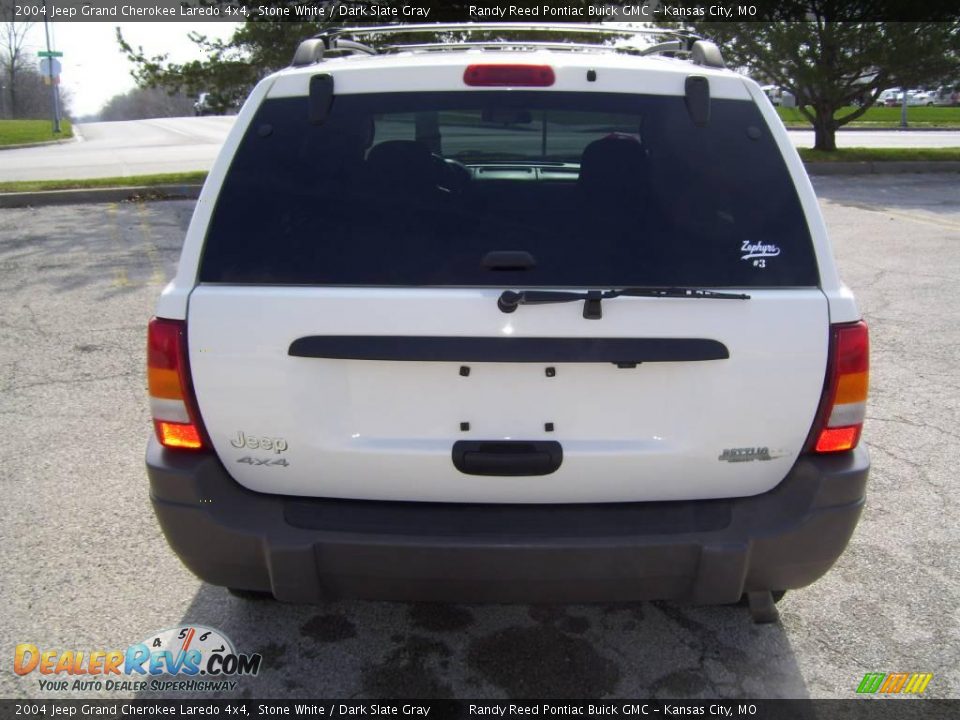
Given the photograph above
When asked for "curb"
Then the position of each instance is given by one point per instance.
(884, 167)
(21, 146)
(98, 195)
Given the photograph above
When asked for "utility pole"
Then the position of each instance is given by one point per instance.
(53, 88)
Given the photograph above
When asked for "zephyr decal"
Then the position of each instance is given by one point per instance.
(752, 250)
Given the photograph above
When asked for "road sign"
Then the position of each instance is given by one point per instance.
(49, 53)
(46, 64)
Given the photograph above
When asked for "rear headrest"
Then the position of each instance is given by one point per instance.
(616, 161)
(404, 164)
(338, 152)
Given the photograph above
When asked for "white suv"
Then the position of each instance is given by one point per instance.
(503, 320)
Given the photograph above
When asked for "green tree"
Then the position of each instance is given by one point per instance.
(262, 45)
(836, 68)
(229, 68)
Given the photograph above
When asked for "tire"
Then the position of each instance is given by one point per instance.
(777, 597)
(251, 595)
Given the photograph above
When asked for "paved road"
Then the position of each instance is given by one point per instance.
(140, 147)
(84, 565)
(120, 149)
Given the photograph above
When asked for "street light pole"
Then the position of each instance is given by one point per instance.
(50, 61)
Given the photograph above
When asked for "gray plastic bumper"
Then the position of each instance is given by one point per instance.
(304, 549)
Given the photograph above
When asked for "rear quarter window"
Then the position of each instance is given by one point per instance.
(415, 189)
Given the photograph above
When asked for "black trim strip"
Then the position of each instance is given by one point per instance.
(497, 349)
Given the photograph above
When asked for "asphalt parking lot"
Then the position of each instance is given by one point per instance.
(84, 565)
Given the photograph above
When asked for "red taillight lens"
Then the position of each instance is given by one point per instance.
(175, 417)
(509, 75)
(844, 403)
(837, 439)
(178, 435)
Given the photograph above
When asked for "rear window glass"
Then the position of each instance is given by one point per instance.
(416, 189)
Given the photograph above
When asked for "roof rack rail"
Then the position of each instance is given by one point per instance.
(344, 40)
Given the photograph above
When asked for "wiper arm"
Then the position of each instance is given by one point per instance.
(510, 300)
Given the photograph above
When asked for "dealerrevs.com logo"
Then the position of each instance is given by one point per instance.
(190, 658)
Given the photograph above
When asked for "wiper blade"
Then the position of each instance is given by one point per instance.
(510, 300)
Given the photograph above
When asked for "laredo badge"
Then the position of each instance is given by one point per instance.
(746, 454)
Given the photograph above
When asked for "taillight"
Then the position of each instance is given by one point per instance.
(509, 75)
(175, 416)
(844, 403)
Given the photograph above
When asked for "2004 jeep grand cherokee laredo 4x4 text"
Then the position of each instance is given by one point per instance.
(503, 321)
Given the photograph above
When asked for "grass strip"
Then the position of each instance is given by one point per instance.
(182, 178)
(20, 132)
(884, 117)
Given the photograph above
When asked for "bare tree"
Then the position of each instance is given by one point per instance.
(13, 56)
(146, 103)
(33, 95)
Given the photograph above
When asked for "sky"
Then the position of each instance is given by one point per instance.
(94, 69)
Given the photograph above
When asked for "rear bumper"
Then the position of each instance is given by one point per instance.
(306, 550)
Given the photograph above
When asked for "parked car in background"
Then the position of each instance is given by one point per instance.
(914, 98)
(779, 96)
(202, 106)
(887, 95)
(218, 103)
(946, 95)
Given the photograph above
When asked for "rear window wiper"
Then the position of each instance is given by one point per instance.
(510, 300)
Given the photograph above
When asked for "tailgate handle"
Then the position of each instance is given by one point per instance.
(507, 458)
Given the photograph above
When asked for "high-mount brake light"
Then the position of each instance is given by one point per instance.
(492, 75)
(175, 417)
(844, 403)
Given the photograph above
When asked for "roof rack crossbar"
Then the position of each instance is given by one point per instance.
(565, 28)
(533, 45)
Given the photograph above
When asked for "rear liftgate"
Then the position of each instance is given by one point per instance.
(499, 457)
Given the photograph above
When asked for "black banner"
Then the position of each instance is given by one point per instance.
(391, 11)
